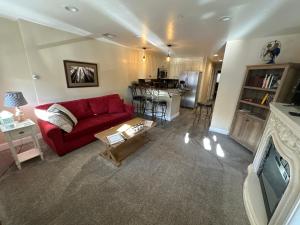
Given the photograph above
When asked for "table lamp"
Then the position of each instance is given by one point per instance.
(15, 99)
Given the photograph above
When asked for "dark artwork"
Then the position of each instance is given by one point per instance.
(81, 74)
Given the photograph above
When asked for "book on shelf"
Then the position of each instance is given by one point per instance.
(247, 100)
(254, 81)
(264, 81)
(270, 81)
(264, 99)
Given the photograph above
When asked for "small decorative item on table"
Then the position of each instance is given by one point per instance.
(7, 119)
(15, 99)
(148, 123)
(115, 138)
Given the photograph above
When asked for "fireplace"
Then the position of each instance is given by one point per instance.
(274, 176)
(272, 187)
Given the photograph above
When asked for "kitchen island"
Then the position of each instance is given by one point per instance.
(172, 96)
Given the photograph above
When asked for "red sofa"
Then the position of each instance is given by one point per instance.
(94, 115)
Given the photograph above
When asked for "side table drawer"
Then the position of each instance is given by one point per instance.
(20, 133)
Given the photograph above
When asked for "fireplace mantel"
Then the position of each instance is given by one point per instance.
(285, 132)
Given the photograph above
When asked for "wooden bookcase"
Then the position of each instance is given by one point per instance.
(251, 111)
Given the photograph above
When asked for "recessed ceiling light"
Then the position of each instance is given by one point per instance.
(225, 18)
(215, 55)
(71, 9)
(110, 36)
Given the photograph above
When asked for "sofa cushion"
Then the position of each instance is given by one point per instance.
(115, 106)
(99, 105)
(96, 124)
(80, 108)
(117, 118)
(84, 127)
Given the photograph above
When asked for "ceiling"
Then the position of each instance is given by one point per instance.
(193, 26)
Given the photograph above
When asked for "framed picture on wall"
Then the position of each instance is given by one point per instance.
(81, 74)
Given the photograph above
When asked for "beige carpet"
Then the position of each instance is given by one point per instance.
(168, 181)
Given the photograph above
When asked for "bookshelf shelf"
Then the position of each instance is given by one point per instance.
(254, 104)
(259, 89)
(262, 84)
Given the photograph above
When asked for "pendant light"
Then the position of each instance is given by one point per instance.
(169, 57)
(144, 55)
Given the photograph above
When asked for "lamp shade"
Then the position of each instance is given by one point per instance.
(14, 99)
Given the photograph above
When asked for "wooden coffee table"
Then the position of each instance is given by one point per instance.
(117, 152)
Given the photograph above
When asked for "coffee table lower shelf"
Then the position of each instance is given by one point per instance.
(120, 151)
(117, 154)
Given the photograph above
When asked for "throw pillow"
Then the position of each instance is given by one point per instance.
(115, 105)
(61, 117)
(79, 108)
(98, 105)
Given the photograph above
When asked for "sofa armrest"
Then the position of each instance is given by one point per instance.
(129, 108)
(48, 128)
(50, 131)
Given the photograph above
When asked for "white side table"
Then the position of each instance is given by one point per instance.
(20, 130)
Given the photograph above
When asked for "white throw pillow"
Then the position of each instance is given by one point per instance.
(61, 117)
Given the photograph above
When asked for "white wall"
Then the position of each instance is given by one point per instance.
(153, 61)
(179, 65)
(27, 48)
(238, 54)
(14, 71)
(47, 48)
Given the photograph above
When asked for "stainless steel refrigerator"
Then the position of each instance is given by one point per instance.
(190, 82)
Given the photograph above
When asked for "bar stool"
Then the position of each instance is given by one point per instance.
(149, 106)
(137, 98)
(158, 107)
(203, 111)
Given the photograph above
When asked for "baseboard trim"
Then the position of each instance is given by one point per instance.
(25, 140)
(218, 130)
(167, 117)
(174, 116)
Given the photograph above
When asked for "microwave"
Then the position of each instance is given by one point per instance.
(162, 73)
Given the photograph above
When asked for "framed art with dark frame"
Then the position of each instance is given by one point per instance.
(81, 74)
